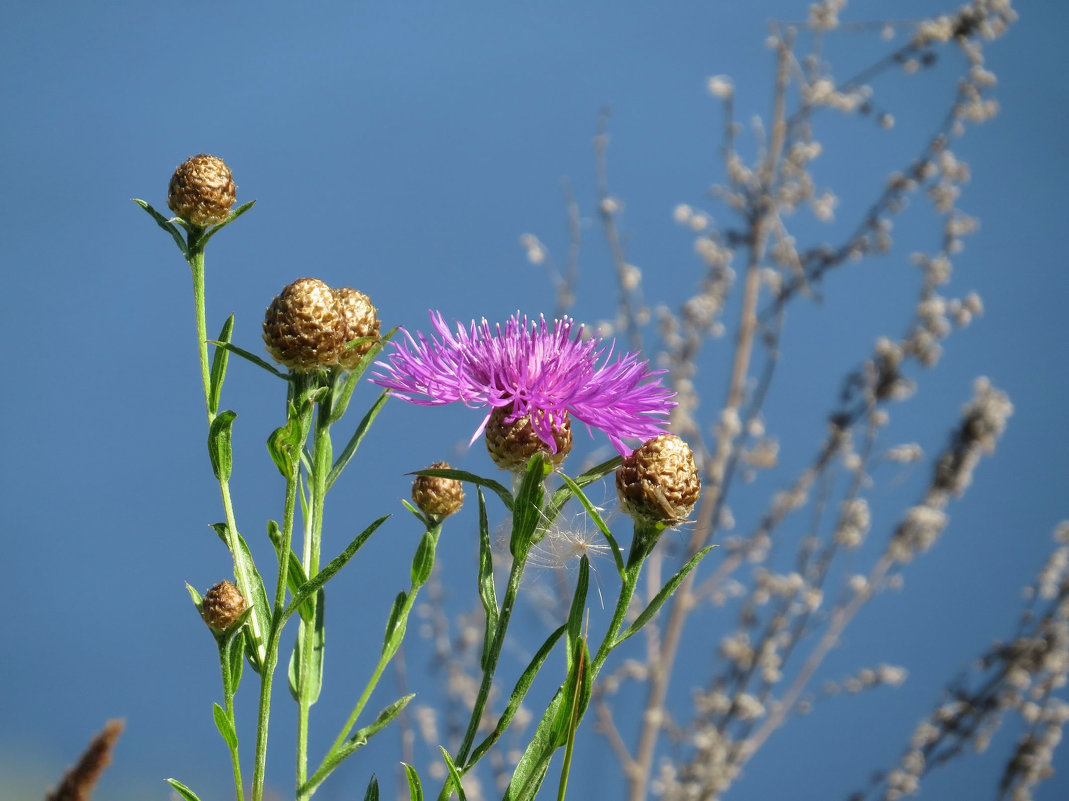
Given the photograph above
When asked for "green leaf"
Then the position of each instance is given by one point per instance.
(341, 398)
(230, 218)
(284, 445)
(372, 793)
(167, 226)
(355, 742)
(225, 726)
(355, 440)
(423, 561)
(235, 649)
(462, 475)
(592, 512)
(182, 790)
(527, 508)
(313, 683)
(250, 583)
(295, 577)
(487, 591)
(531, 769)
(395, 625)
(596, 473)
(197, 600)
(454, 775)
(578, 692)
(662, 596)
(313, 585)
(518, 694)
(219, 361)
(575, 614)
(219, 445)
(415, 791)
(249, 357)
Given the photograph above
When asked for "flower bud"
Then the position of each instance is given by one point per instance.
(511, 445)
(435, 496)
(221, 606)
(659, 483)
(361, 320)
(303, 328)
(202, 191)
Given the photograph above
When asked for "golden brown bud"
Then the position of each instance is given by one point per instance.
(659, 483)
(222, 605)
(361, 320)
(202, 191)
(303, 328)
(511, 445)
(435, 496)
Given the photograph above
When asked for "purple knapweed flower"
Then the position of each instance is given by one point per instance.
(538, 371)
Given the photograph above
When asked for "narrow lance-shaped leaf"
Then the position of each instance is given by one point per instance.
(462, 475)
(342, 397)
(527, 509)
(295, 578)
(244, 207)
(372, 793)
(415, 790)
(454, 774)
(662, 596)
(575, 613)
(395, 624)
(423, 561)
(219, 450)
(580, 687)
(594, 515)
(518, 694)
(219, 362)
(249, 357)
(182, 790)
(355, 742)
(531, 769)
(354, 441)
(225, 726)
(310, 684)
(487, 591)
(167, 226)
(337, 563)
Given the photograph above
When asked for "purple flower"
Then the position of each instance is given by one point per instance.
(537, 371)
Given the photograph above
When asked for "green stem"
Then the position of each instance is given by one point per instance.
(322, 457)
(242, 570)
(271, 660)
(196, 264)
(642, 543)
(228, 707)
(388, 653)
(507, 605)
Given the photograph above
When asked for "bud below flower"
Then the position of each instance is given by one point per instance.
(659, 483)
(202, 191)
(511, 445)
(361, 320)
(304, 328)
(221, 606)
(436, 496)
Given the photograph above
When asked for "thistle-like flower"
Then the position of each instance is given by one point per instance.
(304, 328)
(530, 371)
(202, 190)
(436, 496)
(361, 321)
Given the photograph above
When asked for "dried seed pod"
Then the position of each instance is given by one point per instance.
(438, 497)
(361, 320)
(202, 191)
(658, 482)
(304, 328)
(511, 445)
(222, 606)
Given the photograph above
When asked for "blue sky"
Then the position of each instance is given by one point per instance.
(403, 148)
